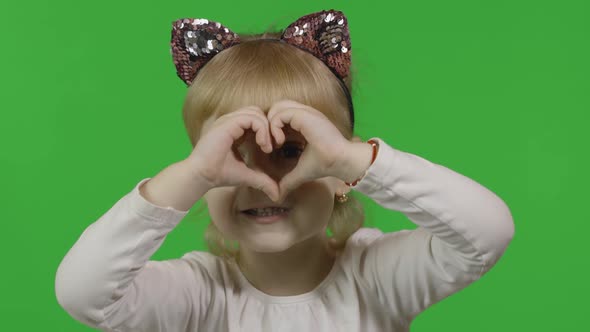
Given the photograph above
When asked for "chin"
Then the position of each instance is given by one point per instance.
(268, 243)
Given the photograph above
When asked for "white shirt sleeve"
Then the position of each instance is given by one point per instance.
(106, 281)
(463, 229)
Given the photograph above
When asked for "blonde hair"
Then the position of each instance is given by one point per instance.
(259, 71)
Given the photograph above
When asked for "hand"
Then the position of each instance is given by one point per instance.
(325, 144)
(215, 157)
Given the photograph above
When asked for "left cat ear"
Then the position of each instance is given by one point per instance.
(195, 41)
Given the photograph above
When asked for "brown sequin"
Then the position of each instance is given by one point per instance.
(195, 41)
(324, 34)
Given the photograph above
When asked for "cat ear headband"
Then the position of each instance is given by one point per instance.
(324, 34)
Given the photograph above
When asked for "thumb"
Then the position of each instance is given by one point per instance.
(289, 182)
(263, 182)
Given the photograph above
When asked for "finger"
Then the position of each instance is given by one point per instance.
(278, 134)
(258, 124)
(294, 117)
(262, 182)
(290, 181)
(262, 132)
(277, 122)
(263, 136)
(290, 117)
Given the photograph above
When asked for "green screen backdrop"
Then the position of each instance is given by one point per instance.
(494, 90)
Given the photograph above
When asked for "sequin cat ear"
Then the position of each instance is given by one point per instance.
(325, 34)
(195, 41)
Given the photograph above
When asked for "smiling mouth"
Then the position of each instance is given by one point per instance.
(267, 216)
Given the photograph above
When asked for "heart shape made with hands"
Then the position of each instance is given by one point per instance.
(278, 138)
(322, 143)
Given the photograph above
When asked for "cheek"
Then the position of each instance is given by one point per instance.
(219, 203)
(316, 199)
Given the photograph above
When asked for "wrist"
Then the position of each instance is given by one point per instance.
(197, 177)
(362, 155)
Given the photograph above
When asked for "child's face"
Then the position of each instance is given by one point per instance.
(311, 203)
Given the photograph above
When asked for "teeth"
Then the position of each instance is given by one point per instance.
(267, 211)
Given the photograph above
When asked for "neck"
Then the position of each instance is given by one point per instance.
(295, 271)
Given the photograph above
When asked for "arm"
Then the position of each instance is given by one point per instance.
(106, 281)
(463, 229)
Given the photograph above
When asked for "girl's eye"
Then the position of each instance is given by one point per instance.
(291, 151)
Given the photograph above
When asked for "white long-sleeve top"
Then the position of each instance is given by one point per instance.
(380, 282)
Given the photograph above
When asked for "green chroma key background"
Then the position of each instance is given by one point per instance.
(495, 90)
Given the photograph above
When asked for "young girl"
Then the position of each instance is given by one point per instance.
(271, 121)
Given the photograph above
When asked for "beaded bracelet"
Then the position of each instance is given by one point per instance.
(375, 145)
